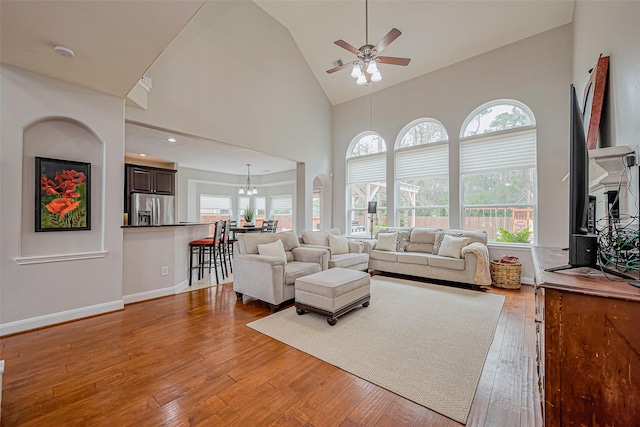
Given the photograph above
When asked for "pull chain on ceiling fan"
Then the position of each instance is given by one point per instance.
(365, 68)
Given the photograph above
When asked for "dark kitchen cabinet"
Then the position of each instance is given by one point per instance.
(149, 180)
(143, 179)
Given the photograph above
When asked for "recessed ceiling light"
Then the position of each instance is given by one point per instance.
(142, 155)
(172, 140)
(64, 51)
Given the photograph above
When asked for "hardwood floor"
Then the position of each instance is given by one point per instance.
(189, 359)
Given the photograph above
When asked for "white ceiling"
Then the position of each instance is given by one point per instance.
(435, 34)
(199, 153)
(117, 41)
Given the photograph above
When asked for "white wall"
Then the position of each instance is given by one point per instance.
(611, 29)
(235, 75)
(191, 183)
(51, 285)
(535, 71)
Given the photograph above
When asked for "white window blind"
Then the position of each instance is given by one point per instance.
(283, 202)
(259, 203)
(367, 169)
(208, 201)
(243, 203)
(424, 161)
(514, 150)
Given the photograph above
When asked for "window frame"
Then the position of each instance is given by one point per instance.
(486, 137)
(433, 145)
(351, 211)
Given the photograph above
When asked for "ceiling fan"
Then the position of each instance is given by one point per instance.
(365, 68)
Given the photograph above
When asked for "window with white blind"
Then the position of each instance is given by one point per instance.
(498, 171)
(366, 181)
(282, 210)
(214, 208)
(422, 174)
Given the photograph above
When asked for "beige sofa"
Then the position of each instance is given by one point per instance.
(355, 259)
(418, 258)
(269, 278)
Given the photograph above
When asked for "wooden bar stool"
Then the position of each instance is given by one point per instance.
(200, 248)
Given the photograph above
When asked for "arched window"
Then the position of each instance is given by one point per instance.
(366, 181)
(422, 174)
(498, 171)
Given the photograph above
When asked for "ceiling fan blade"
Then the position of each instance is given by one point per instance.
(339, 67)
(386, 40)
(343, 44)
(393, 60)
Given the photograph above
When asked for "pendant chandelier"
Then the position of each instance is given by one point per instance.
(248, 188)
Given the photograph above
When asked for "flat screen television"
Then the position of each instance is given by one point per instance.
(583, 246)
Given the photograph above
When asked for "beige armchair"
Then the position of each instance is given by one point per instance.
(356, 258)
(268, 278)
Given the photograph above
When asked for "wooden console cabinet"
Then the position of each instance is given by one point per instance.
(588, 345)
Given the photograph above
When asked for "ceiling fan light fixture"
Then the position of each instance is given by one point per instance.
(376, 77)
(361, 79)
(356, 72)
(372, 68)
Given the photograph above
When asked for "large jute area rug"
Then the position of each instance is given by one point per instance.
(427, 343)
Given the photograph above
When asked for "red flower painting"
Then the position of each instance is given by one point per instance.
(63, 195)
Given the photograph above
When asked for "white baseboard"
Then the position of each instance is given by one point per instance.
(528, 280)
(181, 286)
(143, 296)
(60, 317)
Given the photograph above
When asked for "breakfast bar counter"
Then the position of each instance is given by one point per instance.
(156, 259)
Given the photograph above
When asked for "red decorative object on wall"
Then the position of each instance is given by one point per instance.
(593, 100)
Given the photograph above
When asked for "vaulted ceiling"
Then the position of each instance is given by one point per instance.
(117, 41)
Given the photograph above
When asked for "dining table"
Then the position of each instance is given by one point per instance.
(245, 229)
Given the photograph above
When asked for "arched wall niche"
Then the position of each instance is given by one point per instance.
(66, 139)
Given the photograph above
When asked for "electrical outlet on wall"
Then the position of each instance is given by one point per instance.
(164, 271)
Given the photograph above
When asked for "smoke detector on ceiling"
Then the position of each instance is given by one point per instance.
(64, 51)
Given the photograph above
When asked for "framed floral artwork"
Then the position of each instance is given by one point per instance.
(63, 195)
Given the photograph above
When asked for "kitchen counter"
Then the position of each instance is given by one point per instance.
(156, 259)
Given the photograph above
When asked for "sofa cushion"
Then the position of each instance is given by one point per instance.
(296, 269)
(444, 262)
(384, 255)
(414, 258)
(275, 249)
(452, 246)
(338, 244)
(420, 247)
(315, 238)
(391, 230)
(423, 235)
(387, 241)
(348, 260)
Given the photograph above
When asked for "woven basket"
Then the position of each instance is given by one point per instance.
(505, 276)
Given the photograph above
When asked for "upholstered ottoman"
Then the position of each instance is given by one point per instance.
(332, 292)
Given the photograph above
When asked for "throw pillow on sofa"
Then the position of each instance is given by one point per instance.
(387, 242)
(275, 249)
(402, 241)
(452, 246)
(338, 244)
(440, 236)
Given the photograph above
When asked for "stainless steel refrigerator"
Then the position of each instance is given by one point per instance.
(152, 209)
